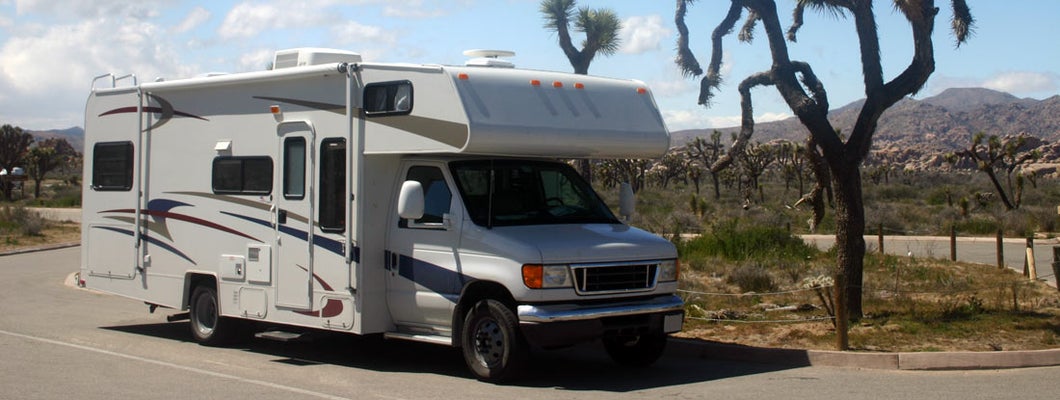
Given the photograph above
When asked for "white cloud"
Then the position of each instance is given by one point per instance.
(415, 9)
(353, 32)
(643, 34)
(46, 73)
(247, 20)
(698, 118)
(256, 60)
(1023, 82)
(675, 87)
(196, 17)
(81, 9)
(772, 116)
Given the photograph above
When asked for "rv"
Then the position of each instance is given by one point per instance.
(419, 202)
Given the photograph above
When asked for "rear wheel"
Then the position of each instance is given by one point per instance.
(208, 327)
(637, 351)
(493, 347)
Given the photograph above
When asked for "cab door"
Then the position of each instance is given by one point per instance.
(424, 277)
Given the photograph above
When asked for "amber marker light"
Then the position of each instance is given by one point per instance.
(533, 275)
(579, 85)
(535, 82)
(274, 109)
(557, 84)
(641, 90)
(462, 76)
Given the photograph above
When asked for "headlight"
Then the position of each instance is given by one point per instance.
(546, 276)
(669, 270)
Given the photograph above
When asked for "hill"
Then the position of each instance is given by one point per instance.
(941, 123)
(75, 136)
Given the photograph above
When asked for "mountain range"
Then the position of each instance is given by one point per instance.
(75, 136)
(941, 123)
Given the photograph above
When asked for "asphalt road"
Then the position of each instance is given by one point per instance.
(57, 341)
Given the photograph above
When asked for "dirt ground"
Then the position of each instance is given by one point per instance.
(53, 233)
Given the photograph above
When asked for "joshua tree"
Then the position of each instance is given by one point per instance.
(600, 27)
(805, 94)
(708, 153)
(1000, 155)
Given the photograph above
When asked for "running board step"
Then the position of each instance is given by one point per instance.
(178, 317)
(281, 336)
(435, 339)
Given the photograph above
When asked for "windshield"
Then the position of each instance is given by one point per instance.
(511, 192)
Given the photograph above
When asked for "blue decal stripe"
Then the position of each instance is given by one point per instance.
(331, 245)
(435, 278)
(150, 240)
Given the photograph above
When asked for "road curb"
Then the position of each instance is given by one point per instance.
(25, 250)
(935, 361)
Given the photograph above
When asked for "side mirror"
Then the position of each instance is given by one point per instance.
(410, 200)
(626, 202)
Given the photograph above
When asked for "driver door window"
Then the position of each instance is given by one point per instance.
(436, 197)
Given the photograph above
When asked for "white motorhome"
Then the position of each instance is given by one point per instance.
(420, 202)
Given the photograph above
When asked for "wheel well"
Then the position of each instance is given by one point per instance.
(473, 293)
(192, 281)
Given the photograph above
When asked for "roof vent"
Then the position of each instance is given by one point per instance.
(489, 58)
(312, 56)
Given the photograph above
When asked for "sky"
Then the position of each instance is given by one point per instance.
(50, 50)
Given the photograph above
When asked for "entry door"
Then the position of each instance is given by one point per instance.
(424, 279)
(293, 216)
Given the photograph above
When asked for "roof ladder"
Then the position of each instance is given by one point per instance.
(114, 79)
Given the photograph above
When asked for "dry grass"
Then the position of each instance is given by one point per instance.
(52, 233)
(910, 305)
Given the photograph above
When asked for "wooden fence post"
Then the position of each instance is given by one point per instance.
(1000, 250)
(953, 243)
(879, 234)
(1056, 266)
(1032, 270)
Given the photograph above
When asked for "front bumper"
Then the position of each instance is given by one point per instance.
(556, 325)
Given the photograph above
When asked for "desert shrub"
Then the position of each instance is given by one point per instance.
(752, 277)
(977, 225)
(897, 193)
(22, 220)
(730, 241)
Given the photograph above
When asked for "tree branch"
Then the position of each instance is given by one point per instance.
(796, 21)
(685, 59)
(747, 122)
(713, 78)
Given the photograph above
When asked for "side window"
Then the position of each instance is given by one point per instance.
(294, 152)
(331, 209)
(436, 194)
(388, 98)
(242, 175)
(112, 166)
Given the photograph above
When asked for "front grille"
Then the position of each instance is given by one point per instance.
(599, 279)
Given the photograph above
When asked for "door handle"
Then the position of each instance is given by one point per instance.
(281, 216)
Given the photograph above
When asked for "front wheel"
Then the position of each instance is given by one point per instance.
(636, 351)
(208, 327)
(493, 347)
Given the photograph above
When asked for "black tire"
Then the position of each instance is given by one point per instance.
(208, 327)
(493, 346)
(635, 351)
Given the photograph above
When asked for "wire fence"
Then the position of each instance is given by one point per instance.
(729, 316)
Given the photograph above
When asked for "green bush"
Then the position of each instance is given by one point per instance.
(752, 277)
(731, 242)
(20, 219)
